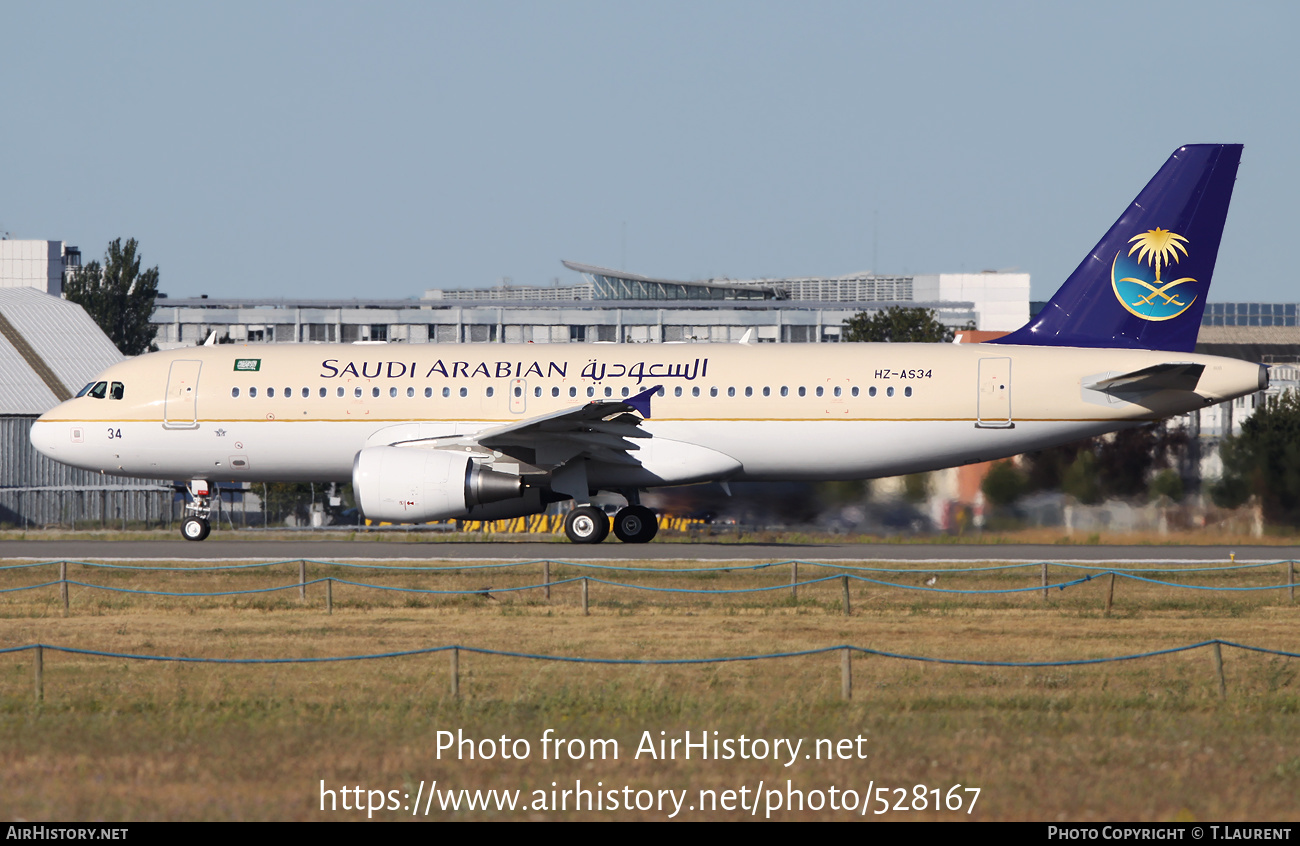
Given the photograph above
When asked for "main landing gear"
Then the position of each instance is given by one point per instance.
(633, 524)
(195, 526)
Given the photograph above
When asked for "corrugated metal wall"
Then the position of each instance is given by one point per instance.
(35, 491)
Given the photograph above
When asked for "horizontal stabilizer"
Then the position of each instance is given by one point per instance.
(1170, 376)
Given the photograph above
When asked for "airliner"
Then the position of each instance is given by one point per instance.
(433, 432)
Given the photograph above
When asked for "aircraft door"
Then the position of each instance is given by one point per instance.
(180, 408)
(994, 398)
(518, 395)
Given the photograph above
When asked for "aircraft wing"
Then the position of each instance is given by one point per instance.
(601, 430)
(1170, 376)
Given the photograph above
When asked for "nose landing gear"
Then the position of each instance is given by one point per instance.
(195, 526)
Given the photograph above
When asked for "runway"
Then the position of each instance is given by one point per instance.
(326, 548)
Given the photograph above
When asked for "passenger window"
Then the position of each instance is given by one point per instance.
(889, 392)
(537, 392)
(115, 391)
(609, 392)
(252, 392)
(837, 391)
(907, 392)
(356, 392)
(871, 392)
(767, 392)
(464, 392)
(519, 392)
(803, 392)
(392, 392)
(270, 392)
(322, 393)
(854, 392)
(819, 390)
(749, 392)
(713, 392)
(428, 392)
(98, 391)
(677, 392)
(489, 391)
(234, 392)
(446, 392)
(410, 392)
(339, 392)
(731, 392)
(288, 393)
(555, 392)
(374, 392)
(306, 392)
(660, 392)
(591, 392)
(573, 392)
(695, 392)
(785, 392)
(625, 392)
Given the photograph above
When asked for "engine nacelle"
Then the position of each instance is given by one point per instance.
(412, 485)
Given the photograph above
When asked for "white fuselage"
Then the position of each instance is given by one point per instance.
(302, 412)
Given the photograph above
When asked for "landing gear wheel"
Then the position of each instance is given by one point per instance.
(195, 529)
(636, 524)
(586, 524)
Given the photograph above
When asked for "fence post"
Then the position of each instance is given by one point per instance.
(846, 675)
(1290, 578)
(844, 585)
(546, 578)
(794, 580)
(302, 579)
(329, 594)
(455, 673)
(1217, 654)
(586, 612)
(1110, 593)
(1044, 581)
(63, 585)
(40, 673)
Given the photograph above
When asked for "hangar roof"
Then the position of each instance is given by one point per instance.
(49, 348)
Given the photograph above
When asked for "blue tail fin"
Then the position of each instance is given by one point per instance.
(1144, 285)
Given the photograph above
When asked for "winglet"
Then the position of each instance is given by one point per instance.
(641, 402)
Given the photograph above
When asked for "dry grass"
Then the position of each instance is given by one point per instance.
(1138, 740)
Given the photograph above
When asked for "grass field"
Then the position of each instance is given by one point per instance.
(1149, 739)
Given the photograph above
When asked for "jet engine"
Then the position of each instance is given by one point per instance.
(412, 485)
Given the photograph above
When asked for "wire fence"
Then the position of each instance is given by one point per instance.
(846, 651)
(847, 575)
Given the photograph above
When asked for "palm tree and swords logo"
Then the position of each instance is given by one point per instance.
(1151, 299)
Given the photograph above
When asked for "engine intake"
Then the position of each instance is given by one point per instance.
(412, 485)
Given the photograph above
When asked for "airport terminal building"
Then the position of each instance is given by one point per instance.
(607, 306)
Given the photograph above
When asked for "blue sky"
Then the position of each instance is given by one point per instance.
(345, 150)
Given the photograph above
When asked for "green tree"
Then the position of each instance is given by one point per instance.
(1080, 479)
(1167, 483)
(899, 325)
(1004, 484)
(1264, 461)
(118, 296)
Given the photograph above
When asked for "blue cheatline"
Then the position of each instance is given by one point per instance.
(651, 661)
(664, 570)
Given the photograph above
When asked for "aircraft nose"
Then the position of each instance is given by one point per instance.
(44, 437)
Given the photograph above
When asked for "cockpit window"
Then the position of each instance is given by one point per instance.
(98, 390)
(115, 391)
(85, 390)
